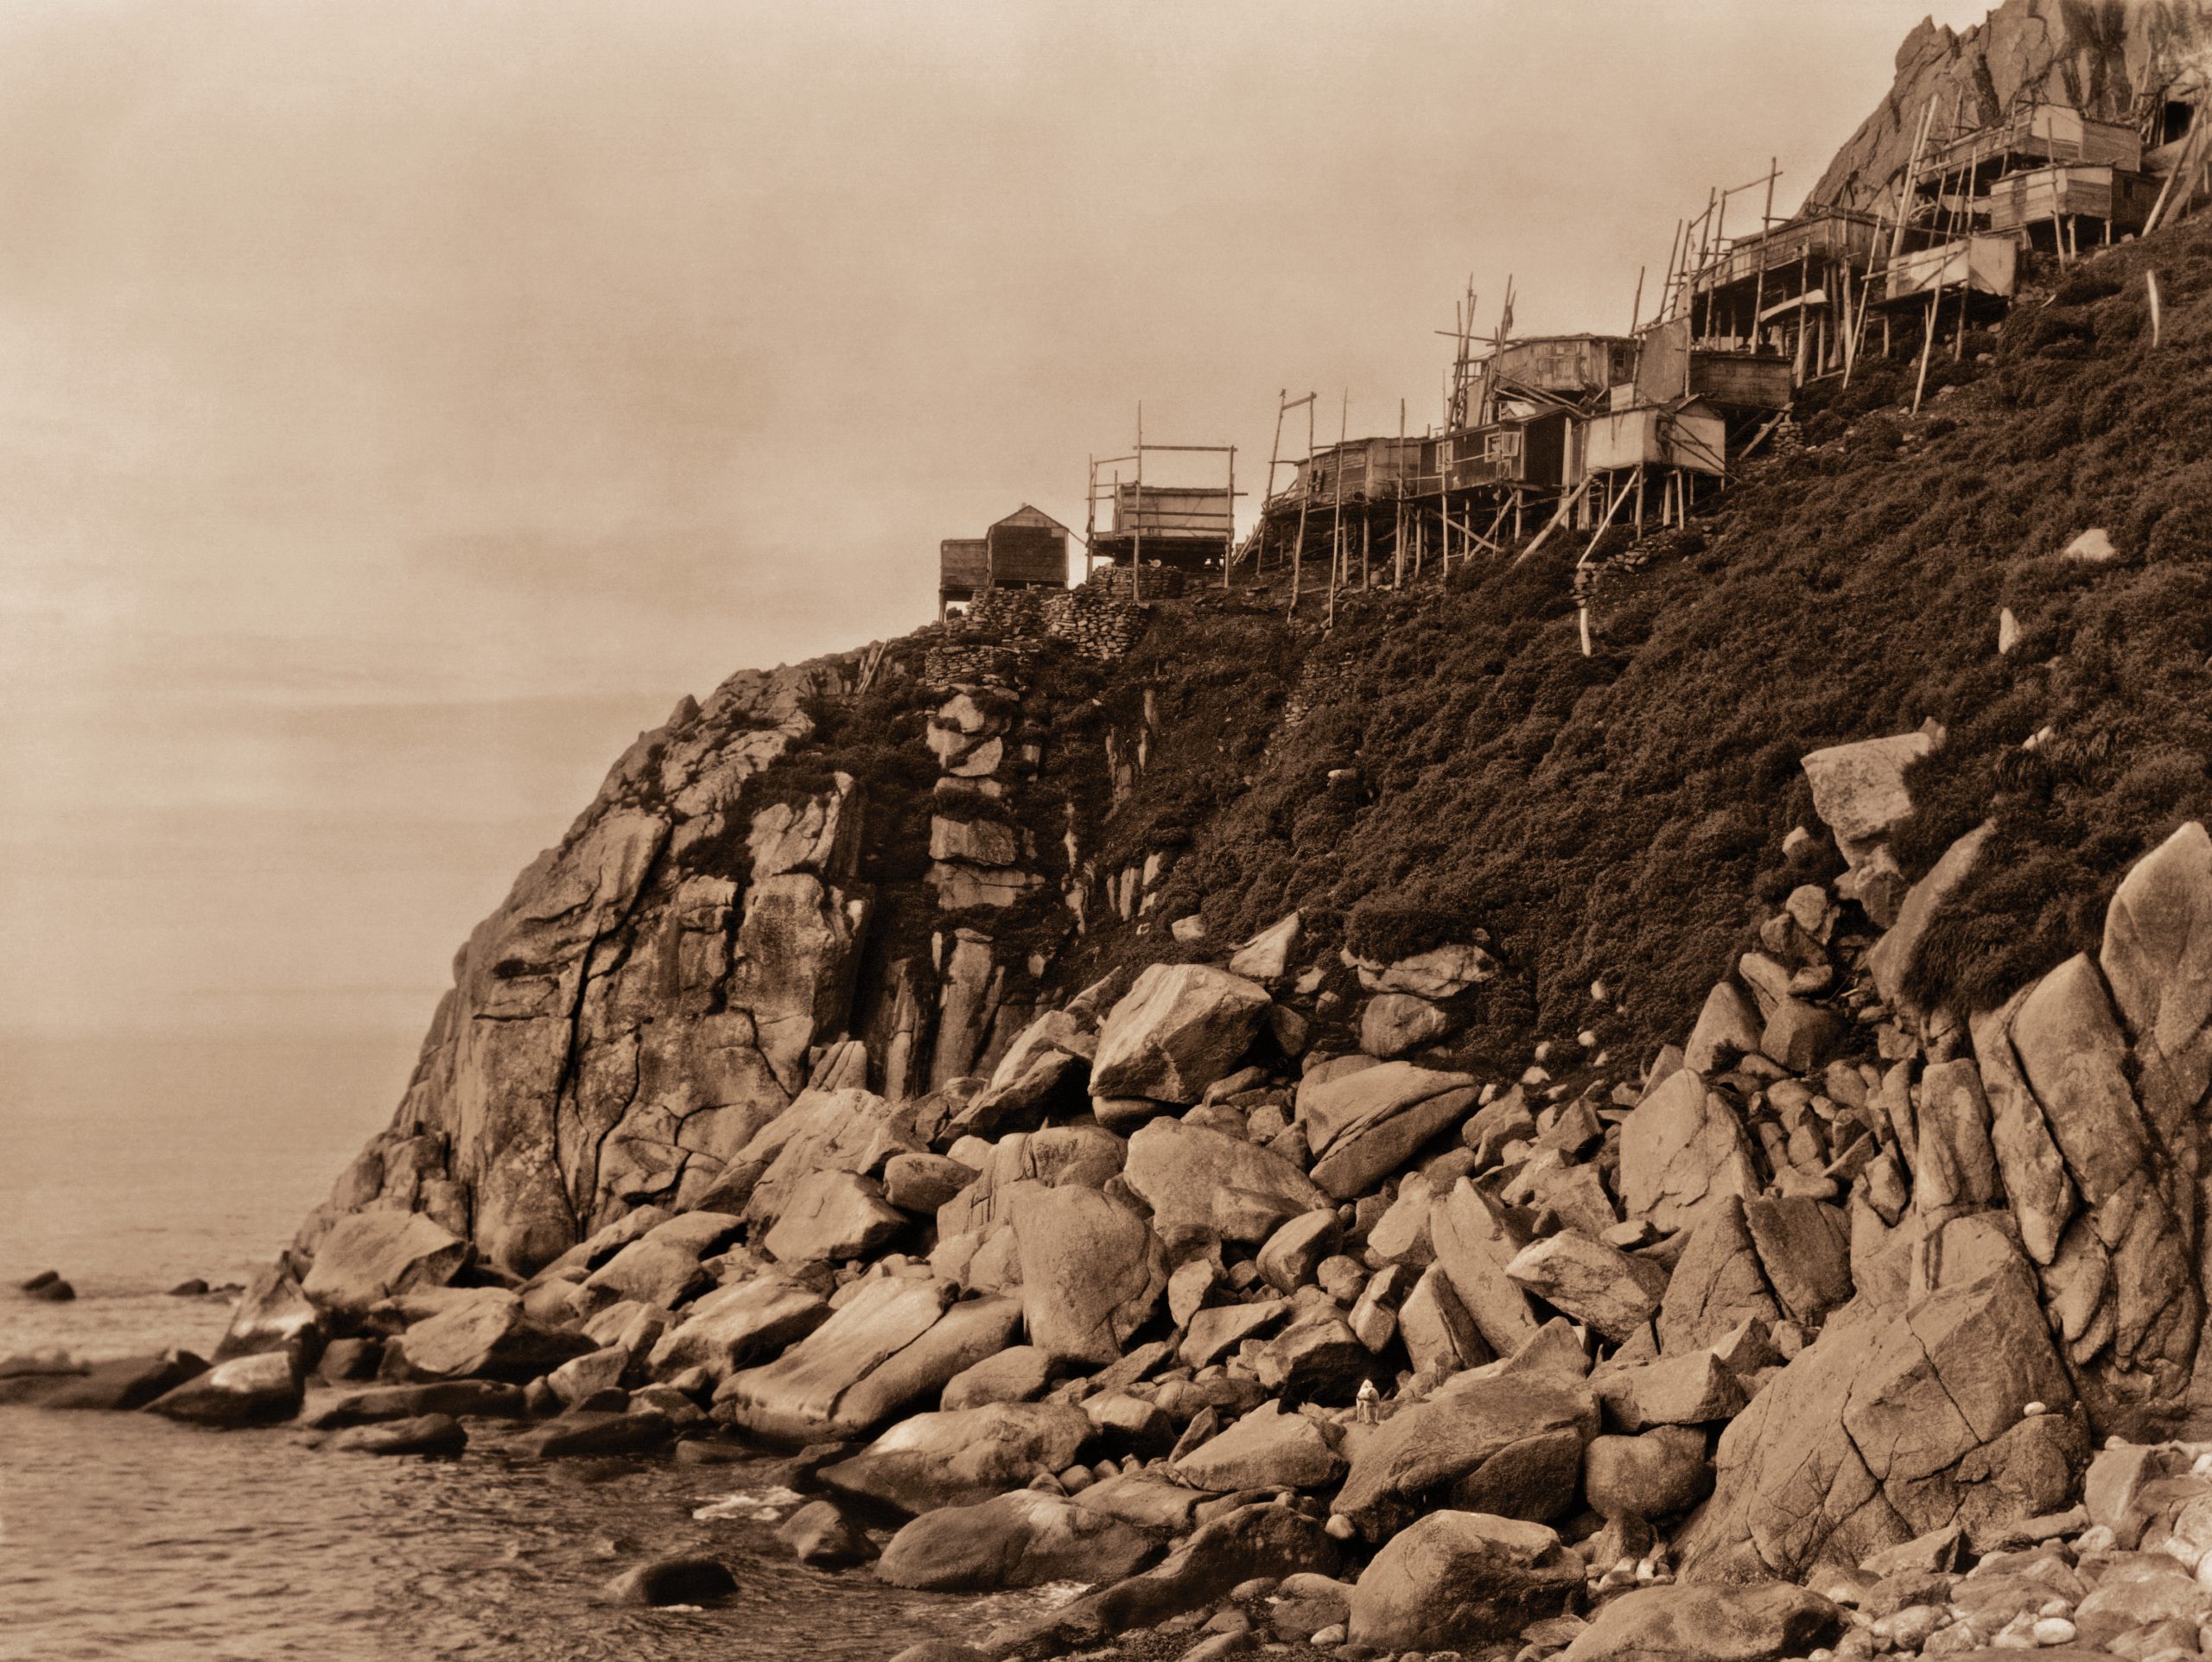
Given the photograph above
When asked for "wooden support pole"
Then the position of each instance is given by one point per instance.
(1228, 543)
(1274, 449)
(1758, 291)
(1137, 547)
(1927, 347)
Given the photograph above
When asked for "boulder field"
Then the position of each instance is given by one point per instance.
(1839, 1327)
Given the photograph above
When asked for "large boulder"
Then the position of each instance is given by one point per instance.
(1858, 789)
(1050, 1056)
(1082, 1157)
(1895, 956)
(1395, 1023)
(1613, 1291)
(1318, 1358)
(1683, 1145)
(1474, 1238)
(1248, 1541)
(851, 1130)
(1025, 1538)
(1442, 972)
(486, 1333)
(455, 1398)
(900, 1338)
(646, 1272)
(2036, 1184)
(1204, 1183)
(819, 1533)
(1339, 1106)
(1439, 1335)
(1217, 1331)
(1693, 1389)
(126, 1383)
(1370, 1130)
(1893, 1425)
(736, 1326)
(962, 1456)
(1179, 1028)
(1654, 1475)
(1953, 1164)
(1461, 1578)
(2157, 959)
(1728, 1025)
(832, 1215)
(273, 1314)
(1092, 1272)
(255, 1390)
(1718, 1282)
(1266, 956)
(2139, 1181)
(1016, 1374)
(1763, 1621)
(371, 1256)
(1804, 1247)
(1514, 1442)
(1266, 1448)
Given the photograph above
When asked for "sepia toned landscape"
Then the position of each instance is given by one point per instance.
(1546, 994)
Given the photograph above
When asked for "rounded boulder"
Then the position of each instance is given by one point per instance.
(1662, 1472)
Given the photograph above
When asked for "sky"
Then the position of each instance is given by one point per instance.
(402, 403)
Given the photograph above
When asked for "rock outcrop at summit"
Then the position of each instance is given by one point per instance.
(2106, 60)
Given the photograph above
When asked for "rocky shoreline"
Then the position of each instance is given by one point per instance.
(1842, 1328)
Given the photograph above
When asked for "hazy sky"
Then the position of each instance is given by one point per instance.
(402, 403)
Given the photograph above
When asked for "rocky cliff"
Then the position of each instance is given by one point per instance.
(1408, 1133)
(2113, 59)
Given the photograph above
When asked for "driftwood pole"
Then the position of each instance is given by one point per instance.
(1398, 531)
(1136, 543)
(1229, 544)
(1274, 449)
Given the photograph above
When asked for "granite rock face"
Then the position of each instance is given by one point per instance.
(2102, 60)
(1836, 1277)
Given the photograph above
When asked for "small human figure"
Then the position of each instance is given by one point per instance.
(1368, 1399)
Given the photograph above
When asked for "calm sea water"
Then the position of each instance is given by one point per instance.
(129, 1168)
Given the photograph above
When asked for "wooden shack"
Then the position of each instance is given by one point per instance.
(1530, 452)
(1985, 265)
(1026, 549)
(1362, 470)
(2031, 136)
(1565, 366)
(2112, 199)
(963, 571)
(1788, 290)
(1818, 239)
(1185, 526)
(1688, 434)
(1673, 366)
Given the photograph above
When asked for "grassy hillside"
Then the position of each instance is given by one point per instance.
(1623, 815)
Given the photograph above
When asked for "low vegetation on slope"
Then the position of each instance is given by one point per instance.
(1460, 765)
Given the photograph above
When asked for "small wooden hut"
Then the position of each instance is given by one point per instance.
(1026, 549)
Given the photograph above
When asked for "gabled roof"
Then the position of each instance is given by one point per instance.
(1026, 516)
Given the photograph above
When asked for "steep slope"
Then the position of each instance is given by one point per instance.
(1411, 1098)
(1444, 765)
